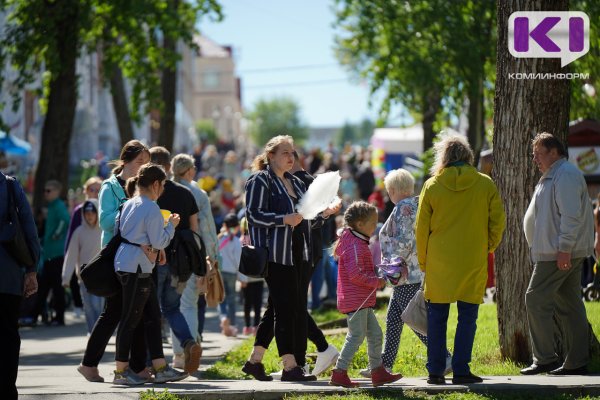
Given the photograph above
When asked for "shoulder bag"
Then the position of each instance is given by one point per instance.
(12, 236)
(415, 313)
(254, 261)
(99, 276)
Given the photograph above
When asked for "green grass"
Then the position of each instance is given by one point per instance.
(150, 394)
(412, 354)
(385, 395)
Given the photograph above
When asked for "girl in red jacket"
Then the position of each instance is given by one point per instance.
(356, 287)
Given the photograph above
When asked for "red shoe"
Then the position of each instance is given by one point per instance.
(379, 376)
(339, 377)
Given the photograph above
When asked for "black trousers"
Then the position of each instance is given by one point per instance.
(253, 300)
(284, 316)
(311, 330)
(140, 303)
(75, 292)
(51, 279)
(11, 344)
(103, 330)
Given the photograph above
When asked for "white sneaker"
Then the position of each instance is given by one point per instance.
(325, 360)
(78, 311)
(448, 369)
(277, 375)
(178, 361)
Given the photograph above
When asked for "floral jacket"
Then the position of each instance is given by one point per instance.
(397, 237)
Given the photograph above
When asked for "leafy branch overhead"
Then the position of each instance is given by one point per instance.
(127, 33)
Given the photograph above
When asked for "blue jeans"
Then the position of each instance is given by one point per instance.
(189, 308)
(169, 301)
(360, 324)
(317, 280)
(92, 306)
(437, 323)
(331, 274)
(228, 305)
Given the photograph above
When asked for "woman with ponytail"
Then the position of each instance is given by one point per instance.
(112, 194)
(142, 223)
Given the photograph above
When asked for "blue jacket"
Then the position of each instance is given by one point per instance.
(11, 273)
(111, 196)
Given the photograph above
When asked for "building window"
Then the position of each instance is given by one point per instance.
(211, 79)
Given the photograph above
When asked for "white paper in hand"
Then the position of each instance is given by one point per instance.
(321, 194)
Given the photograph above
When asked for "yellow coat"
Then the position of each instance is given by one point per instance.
(459, 221)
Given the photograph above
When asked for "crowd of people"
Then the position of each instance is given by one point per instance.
(154, 202)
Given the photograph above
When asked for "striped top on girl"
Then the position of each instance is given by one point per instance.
(356, 271)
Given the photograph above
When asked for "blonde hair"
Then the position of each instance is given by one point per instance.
(451, 148)
(262, 160)
(400, 180)
(94, 180)
(180, 164)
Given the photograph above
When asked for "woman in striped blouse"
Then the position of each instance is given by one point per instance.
(272, 194)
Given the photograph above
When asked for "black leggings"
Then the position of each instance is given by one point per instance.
(140, 302)
(103, 330)
(253, 300)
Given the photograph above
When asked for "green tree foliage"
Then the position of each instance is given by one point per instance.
(347, 133)
(277, 116)
(44, 38)
(427, 55)
(206, 131)
(586, 103)
(355, 134)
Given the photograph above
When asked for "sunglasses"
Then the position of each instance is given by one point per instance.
(48, 190)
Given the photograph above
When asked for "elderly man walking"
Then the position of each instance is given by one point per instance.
(559, 230)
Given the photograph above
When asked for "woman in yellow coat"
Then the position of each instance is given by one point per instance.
(459, 221)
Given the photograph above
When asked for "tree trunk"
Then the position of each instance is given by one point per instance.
(121, 105)
(62, 101)
(476, 130)
(169, 97)
(522, 109)
(431, 107)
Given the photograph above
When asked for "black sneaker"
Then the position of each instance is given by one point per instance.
(257, 371)
(466, 379)
(296, 374)
(436, 380)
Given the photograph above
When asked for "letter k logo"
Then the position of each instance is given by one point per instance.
(539, 34)
(553, 34)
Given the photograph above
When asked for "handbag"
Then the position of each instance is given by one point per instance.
(214, 289)
(12, 235)
(254, 261)
(99, 276)
(415, 313)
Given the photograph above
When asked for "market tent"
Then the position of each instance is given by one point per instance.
(399, 140)
(13, 145)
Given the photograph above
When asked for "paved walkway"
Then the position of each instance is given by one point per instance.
(49, 357)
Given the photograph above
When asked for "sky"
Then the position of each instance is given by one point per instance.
(285, 48)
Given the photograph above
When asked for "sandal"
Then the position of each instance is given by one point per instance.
(90, 373)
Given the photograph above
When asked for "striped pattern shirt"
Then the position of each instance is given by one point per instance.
(267, 203)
